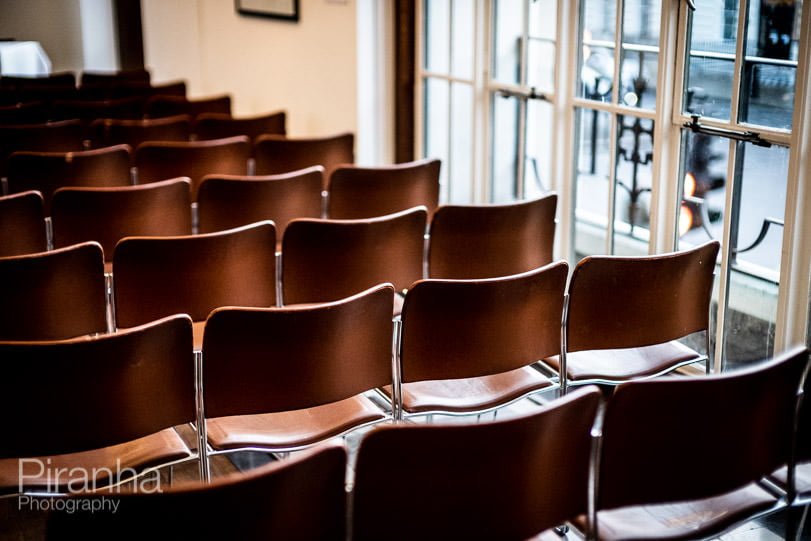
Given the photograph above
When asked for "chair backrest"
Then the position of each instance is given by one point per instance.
(634, 301)
(506, 479)
(226, 201)
(364, 192)
(281, 359)
(31, 112)
(166, 105)
(219, 125)
(115, 131)
(159, 160)
(455, 329)
(22, 224)
(93, 392)
(485, 241)
(676, 439)
(58, 136)
(275, 501)
(53, 295)
(87, 110)
(194, 274)
(120, 89)
(276, 154)
(59, 79)
(106, 215)
(108, 77)
(326, 260)
(48, 171)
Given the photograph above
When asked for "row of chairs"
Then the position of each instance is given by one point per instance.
(628, 467)
(440, 324)
(62, 159)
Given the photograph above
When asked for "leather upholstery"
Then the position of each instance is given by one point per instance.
(22, 224)
(275, 154)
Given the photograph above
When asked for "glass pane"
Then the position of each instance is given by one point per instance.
(710, 64)
(640, 53)
(437, 28)
(461, 153)
(598, 23)
(541, 53)
(701, 216)
(505, 148)
(591, 184)
(436, 123)
(463, 36)
(538, 164)
(508, 31)
(770, 65)
(634, 172)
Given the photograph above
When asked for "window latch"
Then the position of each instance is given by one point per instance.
(747, 136)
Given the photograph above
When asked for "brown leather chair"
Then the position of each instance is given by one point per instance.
(116, 131)
(22, 224)
(682, 458)
(115, 76)
(59, 136)
(121, 89)
(281, 379)
(48, 171)
(302, 497)
(485, 241)
(624, 315)
(107, 215)
(88, 110)
(159, 160)
(274, 154)
(104, 405)
(510, 479)
(365, 192)
(194, 274)
(58, 79)
(219, 125)
(53, 295)
(226, 201)
(468, 346)
(167, 105)
(327, 260)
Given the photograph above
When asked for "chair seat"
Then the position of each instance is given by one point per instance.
(291, 429)
(621, 364)
(802, 481)
(469, 395)
(78, 470)
(683, 520)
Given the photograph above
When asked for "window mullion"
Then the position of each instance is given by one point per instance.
(737, 72)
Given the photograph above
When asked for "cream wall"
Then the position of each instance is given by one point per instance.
(308, 68)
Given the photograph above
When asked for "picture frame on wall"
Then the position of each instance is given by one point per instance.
(276, 9)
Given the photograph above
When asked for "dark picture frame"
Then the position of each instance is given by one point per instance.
(275, 9)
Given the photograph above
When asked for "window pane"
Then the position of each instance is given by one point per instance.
(710, 64)
(538, 168)
(591, 184)
(463, 35)
(701, 217)
(541, 54)
(437, 27)
(543, 19)
(508, 29)
(504, 142)
(598, 24)
(640, 53)
(436, 123)
(634, 172)
(461, 153)
(770, 66)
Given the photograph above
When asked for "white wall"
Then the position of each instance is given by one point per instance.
(308, 68)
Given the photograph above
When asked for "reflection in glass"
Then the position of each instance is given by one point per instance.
(541, 51)
(538, 168)
(640, 53)
(711, 60)
(598, 24)
(770, 65)
(634, 172)
(591, 183)
(701, 215)
(437, 26)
